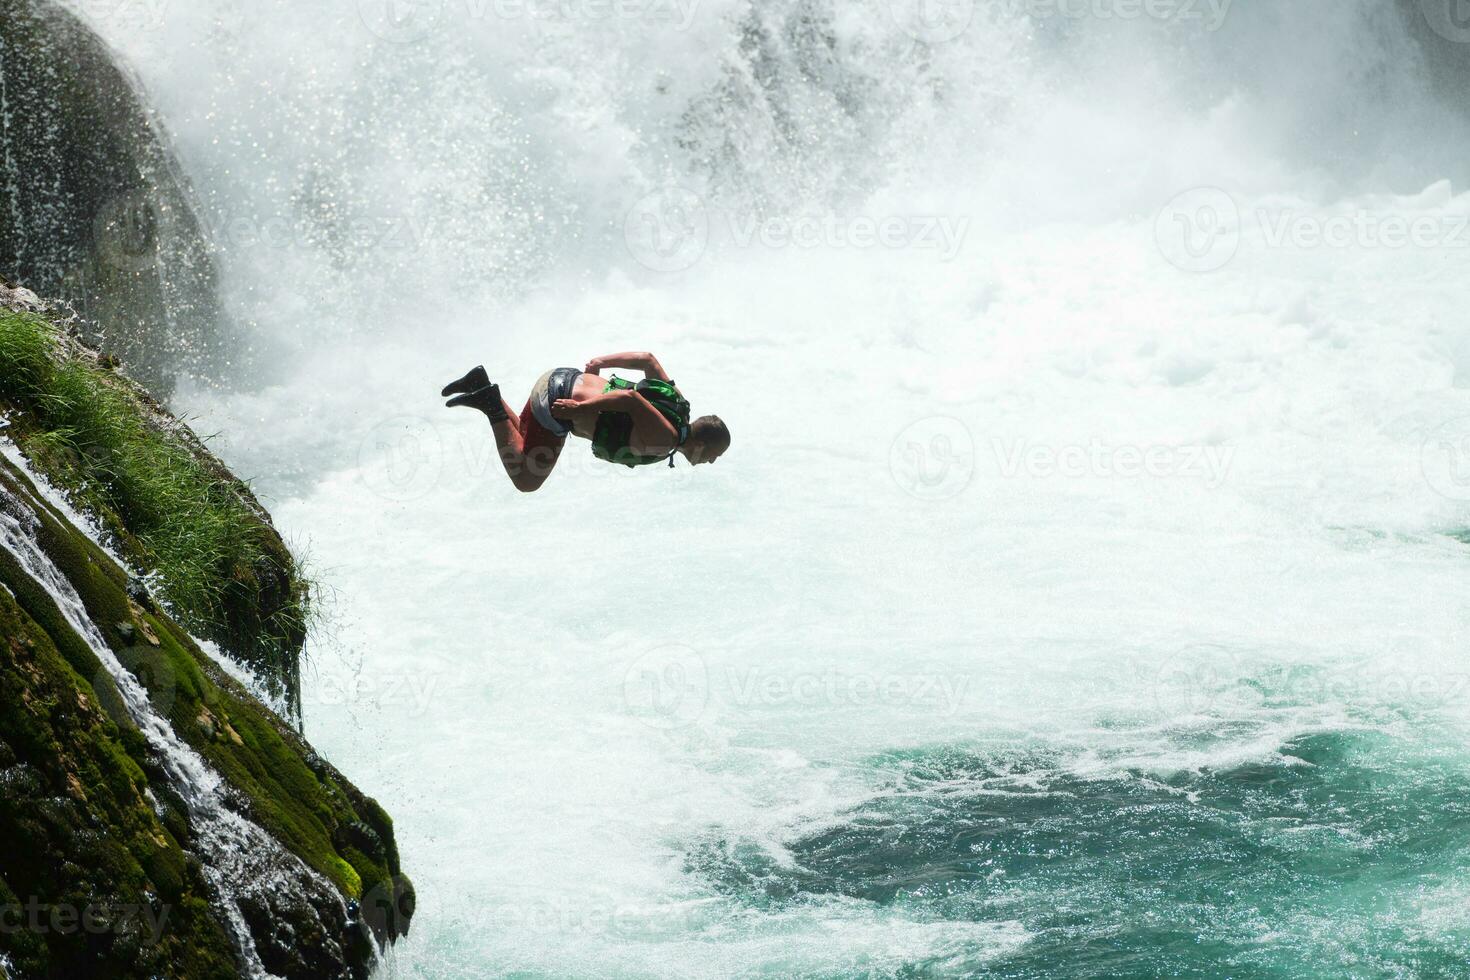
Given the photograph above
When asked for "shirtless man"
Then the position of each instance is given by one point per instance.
(628, 424)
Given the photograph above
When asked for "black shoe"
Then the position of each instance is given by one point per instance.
(474, 381)
(486, 399)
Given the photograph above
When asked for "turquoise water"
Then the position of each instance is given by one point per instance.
(1323, 862)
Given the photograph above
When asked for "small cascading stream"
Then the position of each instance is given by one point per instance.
(241, 860)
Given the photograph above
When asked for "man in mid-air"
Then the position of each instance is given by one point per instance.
(627, 423)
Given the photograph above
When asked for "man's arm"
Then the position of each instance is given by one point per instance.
(632, 361)
(652, 433)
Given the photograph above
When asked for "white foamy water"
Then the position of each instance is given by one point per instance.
(1137, 440)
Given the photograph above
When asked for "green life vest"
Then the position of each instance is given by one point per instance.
(615, 429)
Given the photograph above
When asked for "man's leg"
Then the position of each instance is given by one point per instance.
(530, 453)
(527, 450)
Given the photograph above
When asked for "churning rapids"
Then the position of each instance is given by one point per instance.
(1084, 591)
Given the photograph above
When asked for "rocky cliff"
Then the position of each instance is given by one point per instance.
(93, 208)
(159, 818)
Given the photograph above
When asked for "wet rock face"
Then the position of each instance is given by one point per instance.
(1442, 30)
(304, 885)
(93, 209)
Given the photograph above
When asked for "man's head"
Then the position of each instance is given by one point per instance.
(708, 440)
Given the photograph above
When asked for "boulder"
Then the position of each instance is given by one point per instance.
(94, 210)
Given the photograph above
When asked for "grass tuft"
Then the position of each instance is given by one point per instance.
(216, 562)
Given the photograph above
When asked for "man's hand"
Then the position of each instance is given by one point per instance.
(565, 406)
(633, 361)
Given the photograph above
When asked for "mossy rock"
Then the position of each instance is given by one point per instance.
(94, 209)
(81, 837)
(87, 810)
(76, 779)
(168, 505)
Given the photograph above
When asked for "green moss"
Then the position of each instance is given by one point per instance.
(171, 507)
(300, 799)
(347, 873)
(80, 834)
